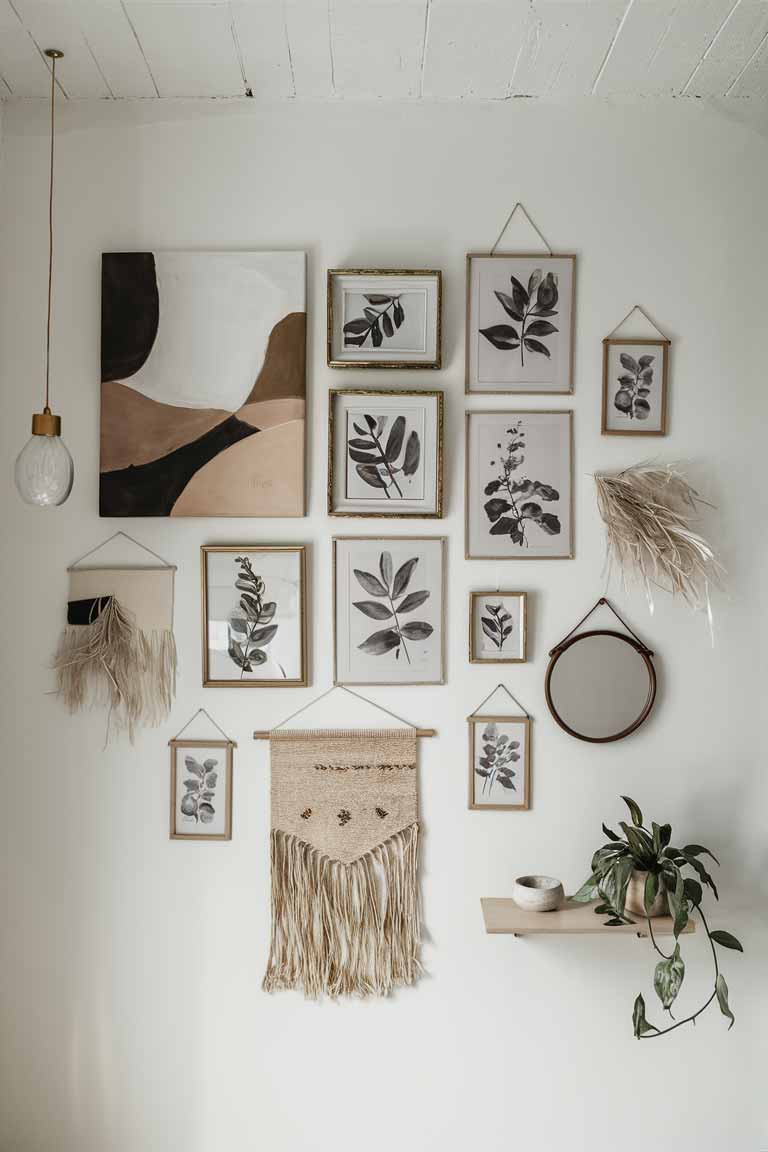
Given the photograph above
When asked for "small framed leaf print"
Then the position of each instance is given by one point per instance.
(499, 763)
(201, 789)
(254, 616)
(520, 323)
(389, 625)
(635, 387)
(519, 485)
(382, 318)
(498, 627)
(385, 453)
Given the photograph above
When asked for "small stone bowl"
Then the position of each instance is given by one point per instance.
(538, 893)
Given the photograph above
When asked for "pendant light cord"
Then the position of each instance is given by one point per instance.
(50, 241)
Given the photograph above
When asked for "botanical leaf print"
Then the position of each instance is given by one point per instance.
(493, 765)
(517, 502)
(527, 307)
(250, 627)
(197, 801)
(379, 463)
(497, 624)
(634, 386)
(380, 320)
(388, 588)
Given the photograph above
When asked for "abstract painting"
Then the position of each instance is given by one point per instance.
(203, 384)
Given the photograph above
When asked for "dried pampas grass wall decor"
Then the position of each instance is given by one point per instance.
(648, 512)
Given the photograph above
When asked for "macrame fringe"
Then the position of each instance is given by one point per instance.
(344, 929)
(112, 662)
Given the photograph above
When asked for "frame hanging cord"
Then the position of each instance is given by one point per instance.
(538, 231)
(264, 735)
(144, 548)
(493, 692)
(642, 311)
(208, 717)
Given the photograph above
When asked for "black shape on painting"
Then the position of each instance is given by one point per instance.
(152, 489)
(130, 312)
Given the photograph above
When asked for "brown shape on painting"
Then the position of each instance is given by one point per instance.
(284, 371)
(136, 429)
(262, 475)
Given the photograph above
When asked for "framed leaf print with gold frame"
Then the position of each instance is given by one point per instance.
(499, 763)
(384, 317)
(254, 615)
(201, 789)
(385, 453)
(635, 387)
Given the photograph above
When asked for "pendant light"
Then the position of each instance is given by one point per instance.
(44, 470)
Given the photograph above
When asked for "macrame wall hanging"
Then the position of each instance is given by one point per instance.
(118, 647)
(344, 860)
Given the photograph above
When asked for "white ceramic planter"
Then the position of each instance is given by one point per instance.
(635, 901)
(538, 893)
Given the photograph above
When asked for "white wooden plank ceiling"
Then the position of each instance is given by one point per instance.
(386, 49)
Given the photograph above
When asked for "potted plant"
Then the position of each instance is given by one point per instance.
(646, 856)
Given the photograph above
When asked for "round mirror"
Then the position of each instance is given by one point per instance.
(600, 685)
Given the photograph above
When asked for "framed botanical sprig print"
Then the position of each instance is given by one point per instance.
(499, 763)
(201, 789)
(635, 387)
(520, 323)
(384, 318)
(519, 485)
(498, 627)
(389, 625)
(385, 453)
(254, 616)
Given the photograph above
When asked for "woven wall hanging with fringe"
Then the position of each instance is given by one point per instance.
(344, 862)
(118, 648)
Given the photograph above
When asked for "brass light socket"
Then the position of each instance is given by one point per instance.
(46, 424)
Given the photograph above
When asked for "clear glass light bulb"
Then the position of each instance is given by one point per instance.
(44, 471)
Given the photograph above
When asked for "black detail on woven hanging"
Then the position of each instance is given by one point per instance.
(86, 611)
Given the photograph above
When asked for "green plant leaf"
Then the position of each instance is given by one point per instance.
(611, 835)
(692, 891)
(622, 872)
(726, 940)
(588, 891)
(702, 873)
(698, 850)
(639, 1022)
(721, 988)
(634, 811)
(651, 890)
(668, 977)
(640, 845)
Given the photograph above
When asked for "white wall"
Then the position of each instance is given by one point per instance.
(132, 1012)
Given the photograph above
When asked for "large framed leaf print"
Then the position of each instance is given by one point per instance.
(520, 323)
(389, 625)
(519, 485)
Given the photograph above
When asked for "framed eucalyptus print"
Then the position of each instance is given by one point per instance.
(389, 625)
(499, 763)
(384, 318)
(635, 387)
(201, 789)
(498, 627)
(254, 616)
(385, 453)
(520, 323)
(519, 485)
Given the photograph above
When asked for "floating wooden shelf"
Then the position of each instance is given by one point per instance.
(502, 916)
